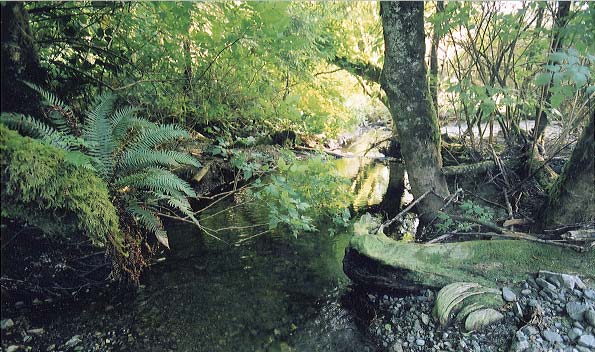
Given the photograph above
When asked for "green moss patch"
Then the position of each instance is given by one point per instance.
(490, 263)
(41, 186)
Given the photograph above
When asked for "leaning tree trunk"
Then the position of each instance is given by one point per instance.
(560, 20)
(572, 199)
(404, 81)
(19, 61)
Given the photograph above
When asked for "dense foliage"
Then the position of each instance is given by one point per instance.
(211, 66)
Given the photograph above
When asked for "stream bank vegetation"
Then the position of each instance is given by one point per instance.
(174, 108)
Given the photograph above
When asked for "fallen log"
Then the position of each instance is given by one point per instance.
(380, 262)
(474, 168)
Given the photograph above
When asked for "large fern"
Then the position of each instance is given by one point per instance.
(133, 155)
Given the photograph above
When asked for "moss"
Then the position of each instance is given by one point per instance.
(489, 263)
(41, 187)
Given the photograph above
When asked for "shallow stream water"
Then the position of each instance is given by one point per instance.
(267, 292)
(272, 292)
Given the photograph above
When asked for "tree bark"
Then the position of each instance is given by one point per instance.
(560, 20)
(572, 199)
(19, 61)
(434, 60)
(404, 81)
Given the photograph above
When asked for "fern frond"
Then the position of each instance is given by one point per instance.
(34, 128)
(157, 180)
(97, 131)
(176, 201)
(121, 121)
(62, 112)
(152, 137)
(137, 159)
(149, 221)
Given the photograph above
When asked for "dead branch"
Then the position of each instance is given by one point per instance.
(400, 214)
(524, 236)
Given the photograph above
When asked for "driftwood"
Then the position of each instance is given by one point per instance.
(327, 151)
(380, 262)
(400, 214)
(580, 235)
(502, 232)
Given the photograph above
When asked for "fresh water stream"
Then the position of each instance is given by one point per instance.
(272, 292)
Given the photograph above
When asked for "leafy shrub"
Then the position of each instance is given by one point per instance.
(469, 209)
(303, 191)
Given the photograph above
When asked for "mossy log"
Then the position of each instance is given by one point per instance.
(378, 261)
(474, 168)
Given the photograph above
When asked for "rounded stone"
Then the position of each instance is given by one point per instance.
(508, 295)
(590, 317)
(587, 341)
(551, 336)
(575, 333)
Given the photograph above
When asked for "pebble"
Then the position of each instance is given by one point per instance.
(39, 331)
(425, 318)
(6, 324)
(544, 284)
(12, 348)
(551, 336)
(587, 341)
(420, 342)
(526, 292)
(530, 330)
(575, 310)
(575, 333)
(508, 295)
(75, 340)
(590, 317)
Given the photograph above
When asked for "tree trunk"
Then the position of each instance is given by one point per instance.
(404, 81)
(560, 20)
(572, 199)
(434, 60)
(19, 61)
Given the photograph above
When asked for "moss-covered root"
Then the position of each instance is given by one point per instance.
(489, 263)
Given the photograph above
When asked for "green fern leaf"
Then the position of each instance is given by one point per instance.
(151, 138)
(97, 131)
(137, 159)
(60, 110)
(34, 128)
(121, 121)
(157, 180)
(149, 221)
